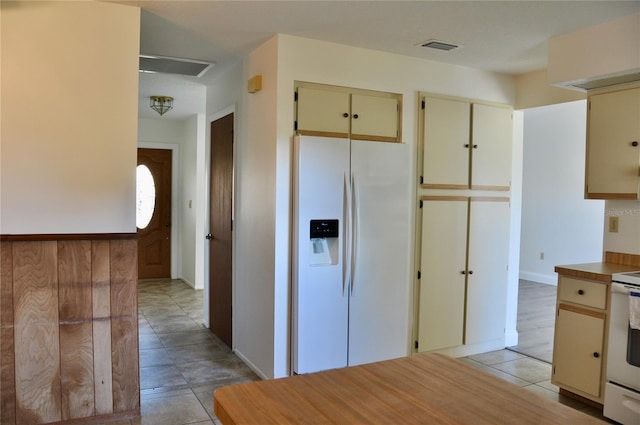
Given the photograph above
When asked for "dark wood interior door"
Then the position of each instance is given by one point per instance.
(154, 240)
(220, 225)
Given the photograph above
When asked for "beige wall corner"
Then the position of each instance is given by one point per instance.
(533, 89)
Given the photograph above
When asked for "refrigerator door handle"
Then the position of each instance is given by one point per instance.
(346, 232)
(355, 215)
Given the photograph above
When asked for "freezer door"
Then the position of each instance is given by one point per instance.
(379, 303)
(320, 287)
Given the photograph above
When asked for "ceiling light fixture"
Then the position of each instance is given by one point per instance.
(161, 104)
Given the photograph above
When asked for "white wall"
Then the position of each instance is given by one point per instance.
(69, 107)
(556, 219)
(627, 240)
(264, 161)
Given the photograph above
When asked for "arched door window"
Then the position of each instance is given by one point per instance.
(145, 196)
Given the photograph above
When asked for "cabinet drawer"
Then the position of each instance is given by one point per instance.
(585, 292)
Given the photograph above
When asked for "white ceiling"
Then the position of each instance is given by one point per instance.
(502, 36)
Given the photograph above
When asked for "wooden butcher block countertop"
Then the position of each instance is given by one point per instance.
(421, 389)
(614, 263)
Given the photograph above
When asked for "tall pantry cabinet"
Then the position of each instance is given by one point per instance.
(464, 221)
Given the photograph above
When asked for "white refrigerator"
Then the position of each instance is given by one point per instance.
(351, 244)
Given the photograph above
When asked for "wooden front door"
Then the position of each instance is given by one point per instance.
(154, 239)
(220, 225)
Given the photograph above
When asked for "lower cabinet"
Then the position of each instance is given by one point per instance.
(463, 274)
(579, 351)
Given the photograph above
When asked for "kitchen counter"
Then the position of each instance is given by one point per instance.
(421, 389)
(602, 271)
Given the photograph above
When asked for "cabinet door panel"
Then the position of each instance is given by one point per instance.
(491, 153)
(488, 274)
(446, 132)
(444, 240)
(577, 337)
(374, 118)
(613, 163)
(321, 112)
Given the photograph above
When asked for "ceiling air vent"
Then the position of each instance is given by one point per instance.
(167, 65)
(439, 45)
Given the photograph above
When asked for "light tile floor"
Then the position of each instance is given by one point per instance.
(182, 363)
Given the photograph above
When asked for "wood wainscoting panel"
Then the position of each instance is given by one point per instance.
(124, 326)
(68, 329)
(101, 303)
(76, 329)
(37, 361)
(7, 353)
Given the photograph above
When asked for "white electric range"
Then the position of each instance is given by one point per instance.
(622, 391)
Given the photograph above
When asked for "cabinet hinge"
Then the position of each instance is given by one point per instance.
(295, 96)
(421, 179)
(421, 204)
(419, 274)
(295, 125)
(424, 104)
(416, 345)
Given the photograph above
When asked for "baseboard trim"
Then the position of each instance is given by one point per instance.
(249, 363)
(539, 278)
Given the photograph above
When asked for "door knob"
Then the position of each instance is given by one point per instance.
(209, 236)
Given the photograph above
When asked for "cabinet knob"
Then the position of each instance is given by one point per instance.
(345, 115)
(470, 271)
(463, 272)
(355, 116)
(634, 143)
(596, 354)
(475, 146)
(209, 237)
(466, 145)
(580, 292)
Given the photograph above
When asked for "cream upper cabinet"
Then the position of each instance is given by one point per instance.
(491, 142)
(446, 143)
(323, 111)
(374, 116)
(463, 268)
(466, 145)
(342, 112)
(613, 145)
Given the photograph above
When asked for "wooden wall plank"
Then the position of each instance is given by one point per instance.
(37, 363)
(76, 329)
(7, 353)
(101, 302)
(124, 326)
